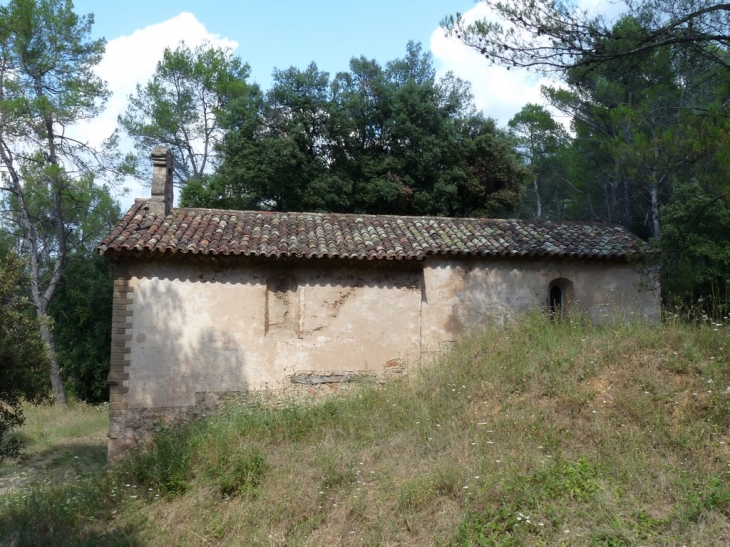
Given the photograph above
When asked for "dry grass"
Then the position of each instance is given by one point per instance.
(59, 443)
(541, 435)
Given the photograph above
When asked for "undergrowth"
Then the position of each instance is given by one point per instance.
(541, 434)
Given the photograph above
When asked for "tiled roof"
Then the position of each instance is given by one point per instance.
(190, 231)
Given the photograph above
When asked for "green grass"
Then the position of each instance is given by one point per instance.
(540, 435)
(59, 442)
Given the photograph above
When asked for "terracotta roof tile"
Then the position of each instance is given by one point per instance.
(333, 235)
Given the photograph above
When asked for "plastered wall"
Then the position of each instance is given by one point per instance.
(194, 331)
(201, 329)
(460, 295)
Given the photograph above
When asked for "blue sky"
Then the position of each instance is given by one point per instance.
(269, 35)
(289, 33)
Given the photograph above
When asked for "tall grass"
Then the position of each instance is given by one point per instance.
(541, 434)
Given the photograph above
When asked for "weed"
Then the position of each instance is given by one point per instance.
(244, 472)
(418, 492)
(646, 526)
(163, 465)
(609, 539)
(575, 480)
(334, 474)
(499, 528)
(715, 496)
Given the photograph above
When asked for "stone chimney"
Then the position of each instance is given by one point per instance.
(161, 200)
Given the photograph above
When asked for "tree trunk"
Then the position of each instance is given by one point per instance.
(59, 395)
(40, 298)
(656, 230)
(538, 212)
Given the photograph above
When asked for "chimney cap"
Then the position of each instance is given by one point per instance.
(161, 199)
(159, 155)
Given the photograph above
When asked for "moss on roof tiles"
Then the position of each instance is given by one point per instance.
(256, 233)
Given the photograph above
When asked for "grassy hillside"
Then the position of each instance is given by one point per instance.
(539, 435)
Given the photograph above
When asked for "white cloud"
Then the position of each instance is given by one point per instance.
(498, 92)
(131, 60)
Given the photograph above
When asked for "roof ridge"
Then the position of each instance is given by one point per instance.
(200, 230)
(143, 201)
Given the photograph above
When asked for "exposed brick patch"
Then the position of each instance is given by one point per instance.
(118, 378)
(314, 378)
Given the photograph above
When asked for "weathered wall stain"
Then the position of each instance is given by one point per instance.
(198, 331)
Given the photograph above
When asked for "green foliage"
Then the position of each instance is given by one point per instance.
(180, 107)
(243, 472)
(46, 47)
(697, 259)
(82, 318)
(23, 363)
(609, 539)
(557, 37)
(497, 528)
(80, 309)
(576, 480)
(631, 142)
(46, 512)
(715, 496)
(377, 139)
(48, 83)
(646, 95)
(163, 465)
(544, 145)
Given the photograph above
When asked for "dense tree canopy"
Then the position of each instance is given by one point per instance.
(543, 144)
(378, 139)
(47, 83)
(82, 320)
(23, 360)
(180, 105)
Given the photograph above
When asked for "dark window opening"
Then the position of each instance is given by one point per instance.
(556, 302)
(560, 297)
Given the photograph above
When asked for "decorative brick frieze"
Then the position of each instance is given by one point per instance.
(121, 348)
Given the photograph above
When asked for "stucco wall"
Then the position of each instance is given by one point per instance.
(460, 295)
(193, 331)
(198, 329)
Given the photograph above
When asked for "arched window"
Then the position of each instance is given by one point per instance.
(556, 301)
(560, 294)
